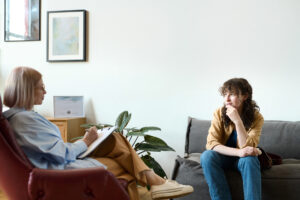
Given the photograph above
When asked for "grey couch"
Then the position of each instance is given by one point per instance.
(278, 183)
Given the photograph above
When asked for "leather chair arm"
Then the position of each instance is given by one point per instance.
(90, 183)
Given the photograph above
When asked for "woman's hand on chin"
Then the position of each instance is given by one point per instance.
(233, 114)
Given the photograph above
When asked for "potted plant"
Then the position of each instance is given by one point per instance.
(142, 143)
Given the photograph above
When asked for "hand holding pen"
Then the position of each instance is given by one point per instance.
(90, 135)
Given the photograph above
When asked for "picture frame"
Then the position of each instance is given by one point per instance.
(66, 35)
(68, 106)
(22, 20)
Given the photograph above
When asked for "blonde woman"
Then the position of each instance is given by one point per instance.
(42, 143)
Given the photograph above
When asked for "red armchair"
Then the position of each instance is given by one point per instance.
(22, 181)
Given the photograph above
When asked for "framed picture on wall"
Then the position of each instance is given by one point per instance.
(22, 20)
(66, 35)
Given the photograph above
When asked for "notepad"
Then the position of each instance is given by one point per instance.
(102, 135)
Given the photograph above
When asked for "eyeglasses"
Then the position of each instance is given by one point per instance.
(41, 87)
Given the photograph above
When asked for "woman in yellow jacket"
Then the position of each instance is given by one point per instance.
(232, 142)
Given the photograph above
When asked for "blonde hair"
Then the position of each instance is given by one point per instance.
(20, 87)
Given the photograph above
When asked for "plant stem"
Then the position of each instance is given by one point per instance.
(135, 141)
(141, 152)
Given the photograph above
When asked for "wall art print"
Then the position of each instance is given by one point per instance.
(66, 36)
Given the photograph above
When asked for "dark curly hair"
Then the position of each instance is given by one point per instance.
(240, 86)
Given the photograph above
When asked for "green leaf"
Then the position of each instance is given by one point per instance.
(151, 163)
(87, 125)
(154, 140)
(131, 129)
(140, 132)
(153, 148)
(125, 122)
(122, 120)
(150, 128)
(98, 126)
(119, 119)
(135, 133)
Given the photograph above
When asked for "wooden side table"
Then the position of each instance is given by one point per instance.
(69, 127)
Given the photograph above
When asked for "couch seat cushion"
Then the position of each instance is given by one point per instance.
(289, 169)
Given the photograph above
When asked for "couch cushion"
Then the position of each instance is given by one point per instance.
(194, 157)
(283, 171)
(196, 135)
(289, 169)
(282, 138)
(274, 181)
(191, 173)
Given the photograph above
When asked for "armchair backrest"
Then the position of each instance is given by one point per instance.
(19, 179)
(14, 165)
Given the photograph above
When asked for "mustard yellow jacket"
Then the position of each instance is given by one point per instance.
(218, 134)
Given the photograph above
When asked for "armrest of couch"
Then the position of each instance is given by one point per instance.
(91, 183)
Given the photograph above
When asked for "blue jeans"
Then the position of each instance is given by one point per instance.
(213, 165)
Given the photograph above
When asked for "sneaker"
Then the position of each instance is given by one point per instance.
(170, 189)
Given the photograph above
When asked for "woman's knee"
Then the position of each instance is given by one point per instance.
(249, 161)
(208, 157)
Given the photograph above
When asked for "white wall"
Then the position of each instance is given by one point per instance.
(165, 60)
